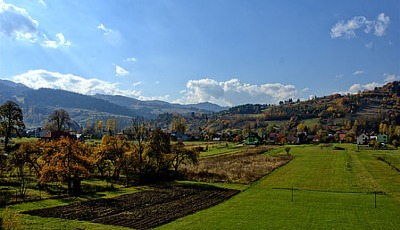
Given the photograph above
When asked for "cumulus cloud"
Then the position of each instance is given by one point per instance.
(60, 41)
(44, 79)
(358, 72)
(234, 92)
(16, 23)
(112, 36)
(355, 88)
(119, 71)
(348, 29)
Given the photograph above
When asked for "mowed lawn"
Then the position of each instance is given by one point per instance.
(321, 188)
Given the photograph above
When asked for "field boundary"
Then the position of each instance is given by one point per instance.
(331, 191)
(375, 193)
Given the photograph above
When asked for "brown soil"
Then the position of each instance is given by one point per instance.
(142, 210)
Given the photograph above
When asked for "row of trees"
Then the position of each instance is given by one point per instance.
(70, 161)
(146, 155)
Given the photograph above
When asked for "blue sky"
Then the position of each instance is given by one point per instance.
(227, 52)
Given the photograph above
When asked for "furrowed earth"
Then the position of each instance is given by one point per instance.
(142, 210)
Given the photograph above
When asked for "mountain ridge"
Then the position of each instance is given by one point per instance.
(37, 104)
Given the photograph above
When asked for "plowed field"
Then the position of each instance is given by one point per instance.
(142, 210)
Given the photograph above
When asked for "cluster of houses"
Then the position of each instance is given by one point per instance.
(47, 135)
(303, 138)
(251, 138)
(371, 138)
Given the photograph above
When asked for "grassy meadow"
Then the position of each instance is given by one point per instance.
(332, 189)
(321, 188)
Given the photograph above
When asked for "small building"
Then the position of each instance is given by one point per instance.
(252, 139)
(363, 139)
(292, 139)
(316, 140)
(56, 135)
(273, 138)
(382, 138)
(341, 135)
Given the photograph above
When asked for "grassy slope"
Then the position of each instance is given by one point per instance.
(334, 193)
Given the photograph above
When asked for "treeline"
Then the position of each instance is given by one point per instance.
(143, 154)
(151, 157)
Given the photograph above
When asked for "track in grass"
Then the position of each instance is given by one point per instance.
(142, 210)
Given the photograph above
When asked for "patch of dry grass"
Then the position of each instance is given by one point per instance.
(244, 167)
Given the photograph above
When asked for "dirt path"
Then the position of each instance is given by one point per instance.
(142, 210)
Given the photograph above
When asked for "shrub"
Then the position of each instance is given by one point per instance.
(287, 149)
(9, 219)
(395, 143)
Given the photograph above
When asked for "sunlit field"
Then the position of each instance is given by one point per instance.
(321, 188)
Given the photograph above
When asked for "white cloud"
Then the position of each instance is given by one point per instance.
(137, 83)
(348, 29)
(131, 59)
(44, 79)
(390, 77)
(381, 24)
(119, 71)
(16, 23)
(305, 90)
(55, 44)
(112, 36)
(233, 92)
(358, 72)
(355, 88)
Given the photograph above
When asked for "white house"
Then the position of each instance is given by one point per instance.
(362, 139)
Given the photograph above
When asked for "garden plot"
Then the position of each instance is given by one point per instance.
(142, 210)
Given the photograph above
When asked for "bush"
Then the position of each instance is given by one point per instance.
(287, 149)
(9, 219)
(395, 143)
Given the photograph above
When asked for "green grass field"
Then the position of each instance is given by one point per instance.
(320, 188)
(332, 189)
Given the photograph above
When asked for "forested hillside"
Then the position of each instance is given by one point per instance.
(38, 104)
(369, 111)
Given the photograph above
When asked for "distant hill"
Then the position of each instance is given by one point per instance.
(156, 107)
(38, 104)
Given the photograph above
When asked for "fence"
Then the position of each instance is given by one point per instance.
(366, 197)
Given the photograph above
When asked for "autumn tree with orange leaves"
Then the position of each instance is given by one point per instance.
(111, 155)
(67, 160)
